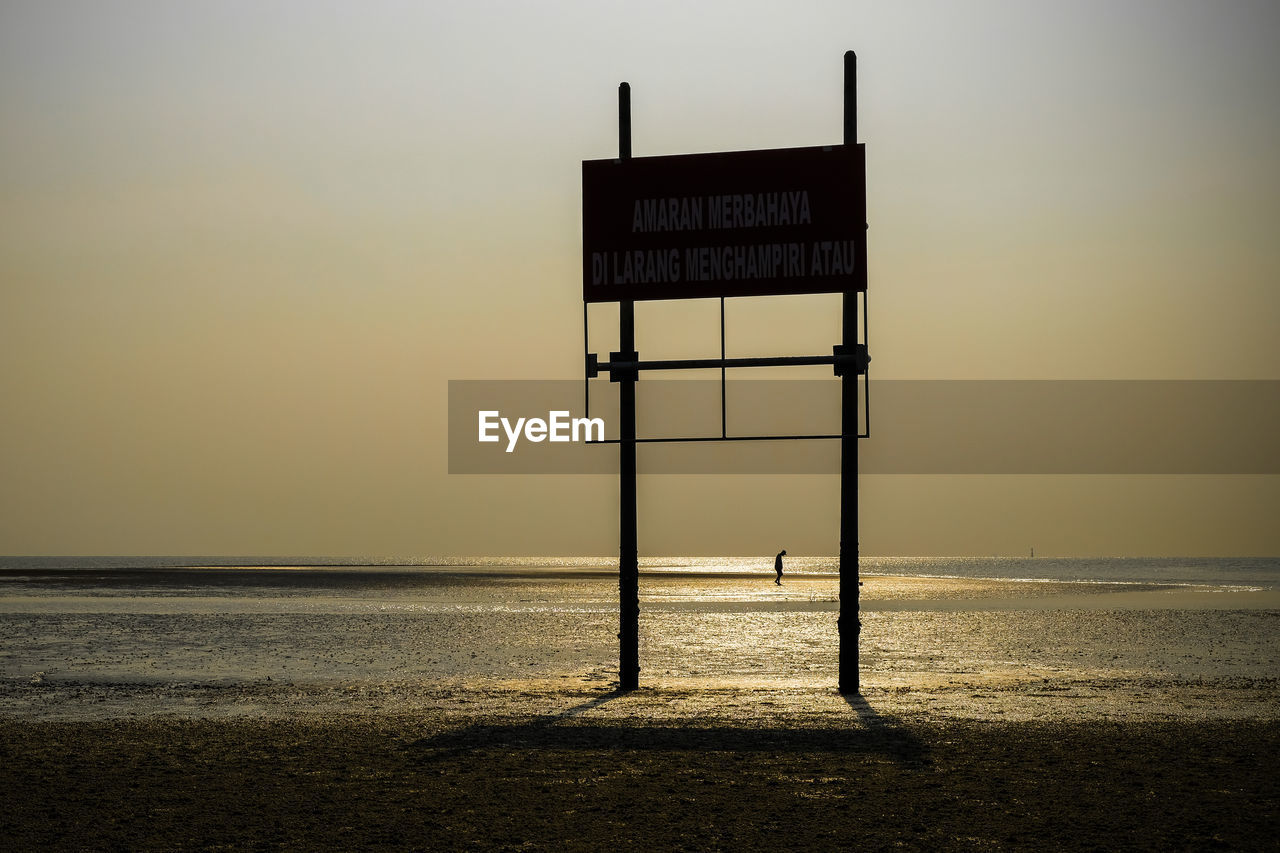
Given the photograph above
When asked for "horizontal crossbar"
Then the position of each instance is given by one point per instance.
(616, 367)
(708, 363)
(728, 438)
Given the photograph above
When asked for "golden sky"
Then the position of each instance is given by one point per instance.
(244, 247)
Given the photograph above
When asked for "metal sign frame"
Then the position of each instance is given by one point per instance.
(850, 359)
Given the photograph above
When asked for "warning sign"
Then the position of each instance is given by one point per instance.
(743, 223)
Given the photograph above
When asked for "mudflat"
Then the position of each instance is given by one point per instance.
(353, 708)
(592, 777)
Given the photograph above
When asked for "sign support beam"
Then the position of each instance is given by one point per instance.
(628, 545)
(843, 361)
(849, 625)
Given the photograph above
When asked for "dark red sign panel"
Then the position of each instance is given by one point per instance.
(741, 223)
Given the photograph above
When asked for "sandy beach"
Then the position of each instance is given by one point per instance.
(334, 709)
(575, 781)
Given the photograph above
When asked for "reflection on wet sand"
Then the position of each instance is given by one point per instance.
(294, 642)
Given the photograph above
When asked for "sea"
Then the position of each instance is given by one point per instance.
(107, 637)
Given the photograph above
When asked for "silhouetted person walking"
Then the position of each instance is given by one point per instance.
(777, 565)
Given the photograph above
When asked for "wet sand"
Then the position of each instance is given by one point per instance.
(993, 715)
(574, 781)
(946, 763)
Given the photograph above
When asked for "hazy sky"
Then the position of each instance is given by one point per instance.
(245, 245)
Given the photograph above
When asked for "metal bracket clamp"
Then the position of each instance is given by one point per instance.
(618, 374)
(855, 356)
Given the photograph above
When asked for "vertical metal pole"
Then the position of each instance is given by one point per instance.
(723, 417)
(628, 548)
(586, 350)
(866, 374)
(849, 625)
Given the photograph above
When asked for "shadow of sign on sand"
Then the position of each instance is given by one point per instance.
(863, 732)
